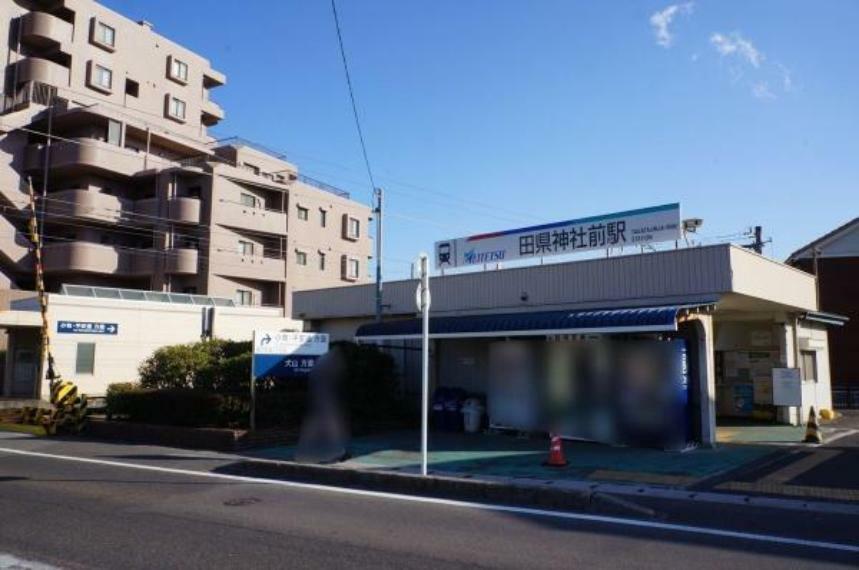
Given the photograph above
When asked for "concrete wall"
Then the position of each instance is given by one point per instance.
(143, 327)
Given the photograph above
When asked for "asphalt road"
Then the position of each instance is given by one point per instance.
(70, 514)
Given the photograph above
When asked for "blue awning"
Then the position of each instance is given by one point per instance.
(608, 321)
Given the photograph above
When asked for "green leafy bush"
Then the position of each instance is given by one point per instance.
(175, 406)
(206, 365)
(208, 384)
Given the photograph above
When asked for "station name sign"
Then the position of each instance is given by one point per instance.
(630, 228)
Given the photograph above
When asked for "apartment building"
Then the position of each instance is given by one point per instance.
(110, 121)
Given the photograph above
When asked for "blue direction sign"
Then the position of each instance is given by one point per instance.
(80, 327)
(286, 354)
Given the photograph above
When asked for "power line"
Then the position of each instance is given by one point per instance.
(352, 95)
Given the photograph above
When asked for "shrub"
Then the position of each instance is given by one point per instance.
(370, 387)
(174, 406)
(207, 365)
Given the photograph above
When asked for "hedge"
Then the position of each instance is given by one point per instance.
(208, 384)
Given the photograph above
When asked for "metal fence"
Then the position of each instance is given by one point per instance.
(844, 397)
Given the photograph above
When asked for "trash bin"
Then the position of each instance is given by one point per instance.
(472, 415)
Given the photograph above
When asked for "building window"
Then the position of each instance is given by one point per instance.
(176, 108)
(323, 217)
(244, 297)
(248, 200)
(103, 77)
(321, 261)
(114, 132)
(246, 247)
(178, 70)
(302, 213)
(189, 290)
(100, 77)
(301, 258)
(351, 227)
(354, 269)
(808, 365)
(85, 358)
(132, 88)
(103, 35)
(351, 268)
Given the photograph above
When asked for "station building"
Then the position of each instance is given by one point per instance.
(738, 314)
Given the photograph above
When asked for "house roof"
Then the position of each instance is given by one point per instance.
(825, 238)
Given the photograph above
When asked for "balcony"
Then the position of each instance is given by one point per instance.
(87, 204)
(146, 210)
(86, 154)
(85, 257)
(237, 215)
(233, 264)
(181, 261)
(144, 262)
(212, 113)
(43, 71)
(41, 29)
(183, 209)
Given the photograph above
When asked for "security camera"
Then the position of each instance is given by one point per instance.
(692, 224)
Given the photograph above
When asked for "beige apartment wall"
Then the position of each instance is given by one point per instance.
(141, 55)
(310, 237)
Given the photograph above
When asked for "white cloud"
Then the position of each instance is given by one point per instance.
(761, 90)
(735, 45)
(661, 20)
(786, 78)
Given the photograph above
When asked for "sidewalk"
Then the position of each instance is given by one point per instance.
(829, 471)
(494, 456)
(764, 460)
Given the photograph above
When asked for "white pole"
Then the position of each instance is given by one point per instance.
(253, 422)
(425, 304)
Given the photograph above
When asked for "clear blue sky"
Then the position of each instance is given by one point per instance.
(488, 114)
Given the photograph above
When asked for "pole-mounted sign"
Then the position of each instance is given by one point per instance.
(422, 299)
(283, 355)
(629, 228)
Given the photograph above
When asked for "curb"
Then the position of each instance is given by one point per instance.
(541, 495)
(585, 496)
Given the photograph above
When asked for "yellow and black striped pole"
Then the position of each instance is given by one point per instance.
(40, 286)
(69, 408)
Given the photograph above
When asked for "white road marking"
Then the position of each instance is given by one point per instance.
(838, 436)
(688, 529)
(9, 562)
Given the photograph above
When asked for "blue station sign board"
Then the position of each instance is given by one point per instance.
(82, 327)
(286, 354)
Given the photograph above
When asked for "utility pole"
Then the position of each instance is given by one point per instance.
(377, 194)
(758, 244)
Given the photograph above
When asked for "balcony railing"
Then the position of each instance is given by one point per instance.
(31, 92)
(323, 186)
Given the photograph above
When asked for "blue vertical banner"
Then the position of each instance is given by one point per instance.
(286, 354)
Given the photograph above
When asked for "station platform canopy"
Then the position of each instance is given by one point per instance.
(606, 321)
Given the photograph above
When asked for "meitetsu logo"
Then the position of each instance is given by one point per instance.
(473, 256)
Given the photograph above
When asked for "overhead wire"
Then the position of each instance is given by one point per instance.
(352, 96)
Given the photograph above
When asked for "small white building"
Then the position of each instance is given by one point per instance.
(101, 335)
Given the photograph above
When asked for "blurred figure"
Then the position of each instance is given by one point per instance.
(324, 436)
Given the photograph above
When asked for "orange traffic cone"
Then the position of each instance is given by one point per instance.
(812, 429)
(556, 453)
